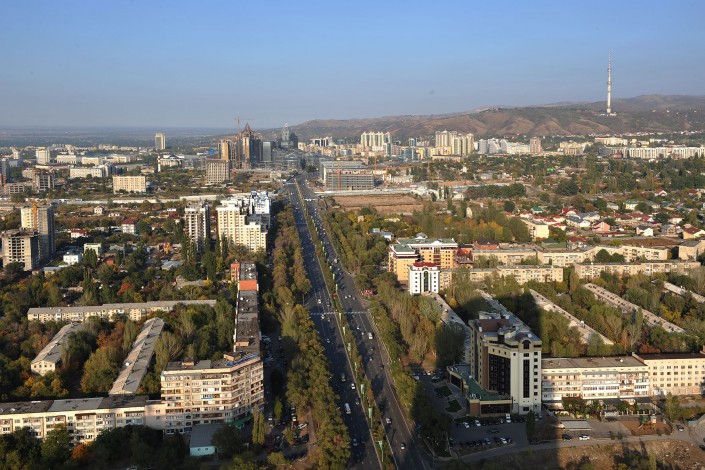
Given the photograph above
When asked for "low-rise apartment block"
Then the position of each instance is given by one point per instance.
(537, 229)
(675, 373)
(130, 184)
(649, 268)
(593, 378)
(134, 311)
(50, 357)
(137, 362)
(84, 418)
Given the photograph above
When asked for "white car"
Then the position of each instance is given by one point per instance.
(352, 385)
(389, 420)
(584, 437)
(467, 425)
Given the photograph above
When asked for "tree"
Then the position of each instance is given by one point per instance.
(258, 428)
(56, 447)
(278, 409)
(672, 407)
(227, 441)
(530, 424)
(509, 206)
(168, 348)
(100, 370)
(90, 258)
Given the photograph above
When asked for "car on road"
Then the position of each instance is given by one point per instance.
(389, 420)
(352, 385)
(402, 446)
(567, 437)
(680, 427)
(584, 437)
(493, 431)
(354, 442)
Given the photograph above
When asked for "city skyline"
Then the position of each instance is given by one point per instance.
(169, 65)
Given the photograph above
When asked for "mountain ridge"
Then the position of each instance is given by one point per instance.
(643, 113)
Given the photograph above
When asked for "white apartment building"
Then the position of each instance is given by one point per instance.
(675, 373)
(159, 141)
(424, 277)
(100, 171)
(130, 184)
(207, 392)
(135, 311)
(197, 224)
(43, 156)
(84, 418)
(593, 378)
(537, 229)
(242, 221)
(49, 357)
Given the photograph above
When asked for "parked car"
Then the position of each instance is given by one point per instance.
(567, 437)
(680, 427)
(584, 437)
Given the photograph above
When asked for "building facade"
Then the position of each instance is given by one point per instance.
(197, 224)
(217, 171)
(506, 359)
(245, 221)
(41, 218)
(130, 184)
(159, 141)
(424, 277)
(675, 373)
(20, 246)
(593, 378)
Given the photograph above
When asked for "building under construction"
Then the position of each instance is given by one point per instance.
(346, 176)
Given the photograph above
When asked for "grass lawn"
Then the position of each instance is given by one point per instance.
(453, 406)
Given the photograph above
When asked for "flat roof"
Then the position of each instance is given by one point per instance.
(548, 363)
(667, 356)
(158, 304)
(22, 407)
(248, 270)
(247, 334)
(202, 434)
(77, 404)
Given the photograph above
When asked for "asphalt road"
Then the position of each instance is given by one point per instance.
(375, 359)
(363, 455)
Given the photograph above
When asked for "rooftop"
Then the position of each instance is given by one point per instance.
(137, 361)
(548, 363)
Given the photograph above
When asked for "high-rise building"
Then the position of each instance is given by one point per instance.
(4, 171)
(245, 220)
(40, 218)
(505, 358)
(376, 141)
(20, 246)
(250, 150)
(197, 224)
(267, 152)
(226, 150)
(217, 171)
(535, 145)
(159, 141)
(43, 181)
(462, 144)
(43, 156)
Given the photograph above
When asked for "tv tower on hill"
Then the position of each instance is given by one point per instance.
(609, 85)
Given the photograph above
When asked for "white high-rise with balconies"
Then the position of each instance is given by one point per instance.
(197, 225)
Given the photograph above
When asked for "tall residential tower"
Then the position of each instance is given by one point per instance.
(609, 86)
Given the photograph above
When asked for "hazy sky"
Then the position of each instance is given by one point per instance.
(202, 63)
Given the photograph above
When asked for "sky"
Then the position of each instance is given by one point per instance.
(203, 63)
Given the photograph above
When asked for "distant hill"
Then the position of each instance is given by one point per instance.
(647, 113)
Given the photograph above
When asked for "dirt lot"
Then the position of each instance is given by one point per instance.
(384, 203)
(649, 429)
(668, 455)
